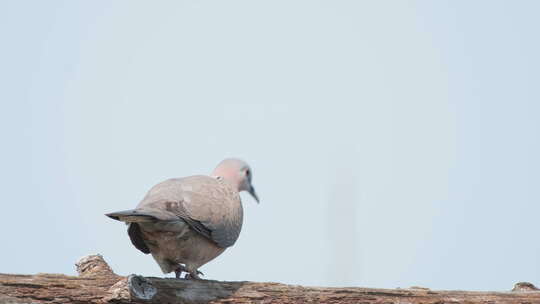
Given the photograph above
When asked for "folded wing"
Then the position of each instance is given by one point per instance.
(208, 205)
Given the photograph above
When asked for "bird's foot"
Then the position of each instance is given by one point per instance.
(178, 271)
(194, 275)
(190, 275)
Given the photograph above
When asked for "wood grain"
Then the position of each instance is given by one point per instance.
(97, 283)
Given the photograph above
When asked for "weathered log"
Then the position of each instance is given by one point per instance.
(97, 283)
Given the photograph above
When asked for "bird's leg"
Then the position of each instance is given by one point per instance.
(178, 271)
(194, 275)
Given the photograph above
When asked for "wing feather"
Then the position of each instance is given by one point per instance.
(134, 232)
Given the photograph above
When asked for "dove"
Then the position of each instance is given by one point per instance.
(186, 222)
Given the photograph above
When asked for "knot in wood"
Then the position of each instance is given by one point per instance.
(141, 288)
(93, 265)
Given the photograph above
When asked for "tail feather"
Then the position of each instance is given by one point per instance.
(132, 216)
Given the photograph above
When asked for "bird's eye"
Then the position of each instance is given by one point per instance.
(248, 173)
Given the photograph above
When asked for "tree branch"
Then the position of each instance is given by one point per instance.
(97, 283)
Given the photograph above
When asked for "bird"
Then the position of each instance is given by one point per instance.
(186, 222)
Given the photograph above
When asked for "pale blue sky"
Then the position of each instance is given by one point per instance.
(393, 143)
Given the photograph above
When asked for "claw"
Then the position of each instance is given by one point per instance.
(194, 275)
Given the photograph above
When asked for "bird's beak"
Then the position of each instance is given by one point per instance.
(253, 193)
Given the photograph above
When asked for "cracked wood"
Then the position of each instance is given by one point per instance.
(97, 283)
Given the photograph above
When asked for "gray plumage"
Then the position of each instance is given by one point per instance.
(190, 220)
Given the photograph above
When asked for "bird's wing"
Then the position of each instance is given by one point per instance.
(208, 205)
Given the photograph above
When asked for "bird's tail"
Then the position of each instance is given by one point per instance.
(133, 216)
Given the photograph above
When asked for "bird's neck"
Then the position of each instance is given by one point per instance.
(230, 177)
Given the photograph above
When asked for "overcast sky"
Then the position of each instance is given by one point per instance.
(393, 143)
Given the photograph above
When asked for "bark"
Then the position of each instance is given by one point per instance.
(97, 283)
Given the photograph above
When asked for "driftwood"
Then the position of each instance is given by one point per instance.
(97, 283)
